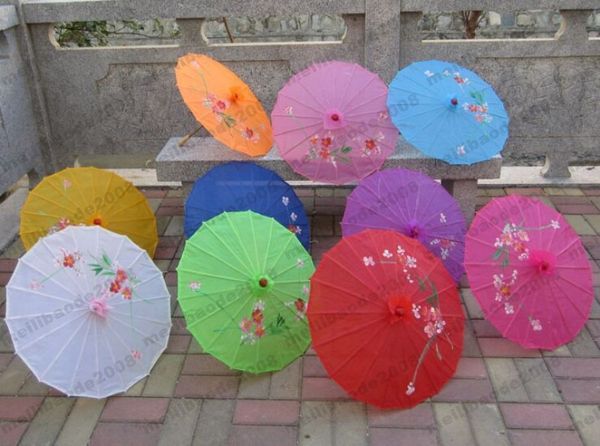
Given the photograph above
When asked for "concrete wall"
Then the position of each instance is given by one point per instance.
(20, 145)
(123, 100)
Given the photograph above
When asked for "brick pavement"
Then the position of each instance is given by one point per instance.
(501, 394)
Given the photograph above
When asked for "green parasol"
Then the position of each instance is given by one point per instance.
(243, 283)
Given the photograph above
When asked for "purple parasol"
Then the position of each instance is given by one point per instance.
(415, 205)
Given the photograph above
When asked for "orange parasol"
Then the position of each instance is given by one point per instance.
(224, 104)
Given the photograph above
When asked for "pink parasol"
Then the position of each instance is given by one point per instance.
(331, 123)
(529, 272)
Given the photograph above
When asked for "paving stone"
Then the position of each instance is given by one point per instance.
(562, 351)
(48, 421)
(5, 359)
(470, 344)
(579, 390)
(575, 367)
(205, 365)
(194, 347)
(537, 380)
(350, 424)
(583, 345)
(322, 225)
(162, 222)
(483, 329)
(138, 410)
(285, 384)
(466, 390)
(487, 425)
(418, 417)
(109, 434)
(573, 208)
(81, 422)
(580, 225)
(163, 379)
(203, 386)
(503, 348)
(7, 265)
(154, 203)
(471, 303)
(214, 423)
(316, 423)
(263, 436)
(535, 416)
(11, 432)
(13, 377)
(526, 191)
(322, 389)
(453, 424)
(19, 408)
(137, 388)
(175, 226)
(383, 436)
(506, 380)
(471, 368)
(594, 221)
(312, 366)
(546, 438)
(180, 422)
(175, 193)
(266, 412)
(33, 387)
(586, 419)
(254, 386)
(154, 193)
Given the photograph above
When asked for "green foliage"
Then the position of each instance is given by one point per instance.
(99, 33)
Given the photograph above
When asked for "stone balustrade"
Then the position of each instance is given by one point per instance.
(113, 101)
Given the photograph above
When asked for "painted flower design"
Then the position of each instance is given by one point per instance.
(120, 280)
(299, 263)
(410, 388)
(305, 290)
(504, 286)
(554, 224)
(479, 108)
(512, 237)
(445, 246)
(67, 184)
(383, 116)
(61, 224)
(416, 309)
(135, 354)
(35, 285)
(289, 110)
(299, 306)
(434, 322)
(195, 286)
(371, 146)
(285, 200)
(387, 254)
(368, 261)
(69, 260)
(126, 293)
(218, 107)
(322, 148)
(442, 217)
(508, 308)
(253, 327)
(293, 216)
(250, 134)
(460, 150)
(459, 79)
(535, 324)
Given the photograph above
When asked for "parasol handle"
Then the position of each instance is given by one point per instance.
(187, 137)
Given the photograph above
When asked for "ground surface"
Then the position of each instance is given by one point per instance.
(501, 394)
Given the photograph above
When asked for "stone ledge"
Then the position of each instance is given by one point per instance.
(8, 17)
(199, 155)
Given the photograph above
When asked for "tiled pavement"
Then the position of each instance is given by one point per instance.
(500, 395)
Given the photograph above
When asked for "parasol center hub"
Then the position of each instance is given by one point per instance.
(413, 231)
(99, 307)
(261, 284)
(454, 102)
(97, 221)
(333, 119)
(543, 261)
(399, 307)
